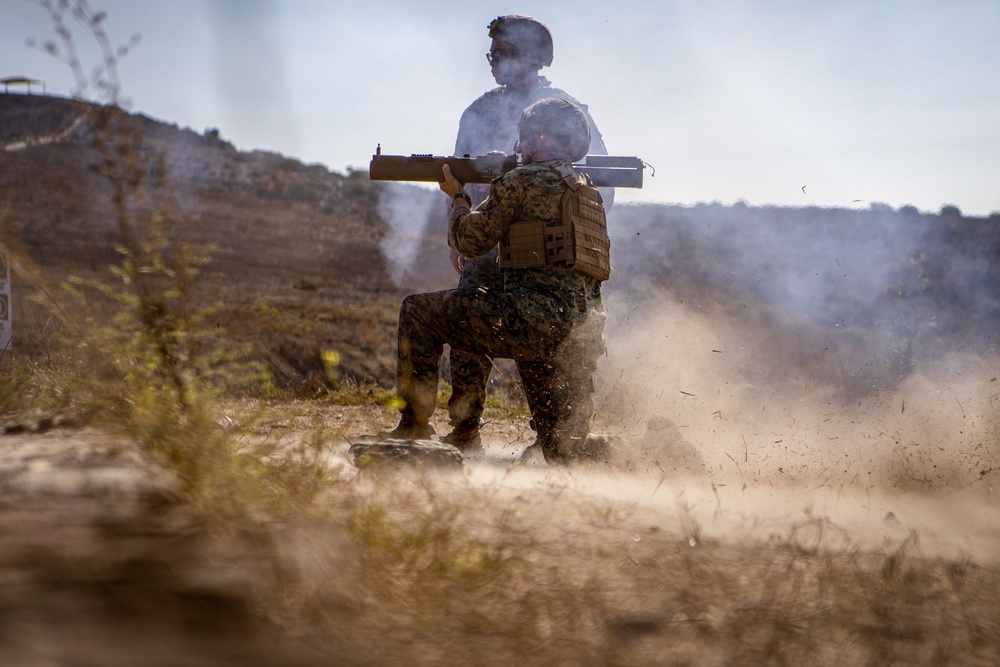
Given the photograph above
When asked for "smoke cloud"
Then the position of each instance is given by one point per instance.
(846, 349)
(410, 213)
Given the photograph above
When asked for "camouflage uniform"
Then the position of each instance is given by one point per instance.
(549, 318)
(488, 124)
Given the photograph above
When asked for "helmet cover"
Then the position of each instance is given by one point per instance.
(562, 121)
(531, 37)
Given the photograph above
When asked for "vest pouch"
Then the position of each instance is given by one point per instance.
(583, 214)
(531, 244)
(581, 240)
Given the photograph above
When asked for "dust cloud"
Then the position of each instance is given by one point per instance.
(935, 428)
(784, 450)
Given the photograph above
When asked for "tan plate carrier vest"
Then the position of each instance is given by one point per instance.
(581, 241)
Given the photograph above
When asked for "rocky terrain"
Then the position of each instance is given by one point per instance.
(304, 259)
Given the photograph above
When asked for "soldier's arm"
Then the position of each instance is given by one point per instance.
(474, 233)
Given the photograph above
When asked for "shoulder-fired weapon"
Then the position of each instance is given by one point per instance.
(605, 171)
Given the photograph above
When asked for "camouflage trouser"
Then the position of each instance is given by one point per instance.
(560, 396)
(470, 372)
(559, 389)
(485, 324)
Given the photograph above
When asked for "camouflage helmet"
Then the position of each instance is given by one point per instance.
(561, 120)
(531, 37)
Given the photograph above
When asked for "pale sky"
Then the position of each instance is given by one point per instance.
(859, 101)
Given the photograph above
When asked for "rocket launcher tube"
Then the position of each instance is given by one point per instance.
(606, 171)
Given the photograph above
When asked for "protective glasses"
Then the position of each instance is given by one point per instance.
(502, 52)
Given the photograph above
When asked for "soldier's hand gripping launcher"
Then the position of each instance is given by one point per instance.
(606, 171)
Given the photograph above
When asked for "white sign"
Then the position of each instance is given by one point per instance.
(5, 328)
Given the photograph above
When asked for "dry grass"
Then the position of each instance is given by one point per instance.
(500, 564)
(533, 568)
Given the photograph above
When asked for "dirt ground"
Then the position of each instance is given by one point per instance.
(102, 564)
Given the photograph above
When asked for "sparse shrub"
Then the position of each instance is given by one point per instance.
(135, 353)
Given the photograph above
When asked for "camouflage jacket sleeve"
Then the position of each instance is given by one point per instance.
(526, 193)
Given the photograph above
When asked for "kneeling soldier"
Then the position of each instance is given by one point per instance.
(548, 316)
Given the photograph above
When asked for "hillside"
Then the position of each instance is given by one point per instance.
(306, 260)
(289, 241)
(853, 298)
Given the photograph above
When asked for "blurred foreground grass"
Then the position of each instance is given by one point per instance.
(293, 557)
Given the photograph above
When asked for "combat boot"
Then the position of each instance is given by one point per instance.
(465, 437)
(409, 429)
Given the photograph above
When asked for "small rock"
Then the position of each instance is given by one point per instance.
(425, 453)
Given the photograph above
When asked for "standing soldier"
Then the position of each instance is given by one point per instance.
(553, 254)
(521, 46)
